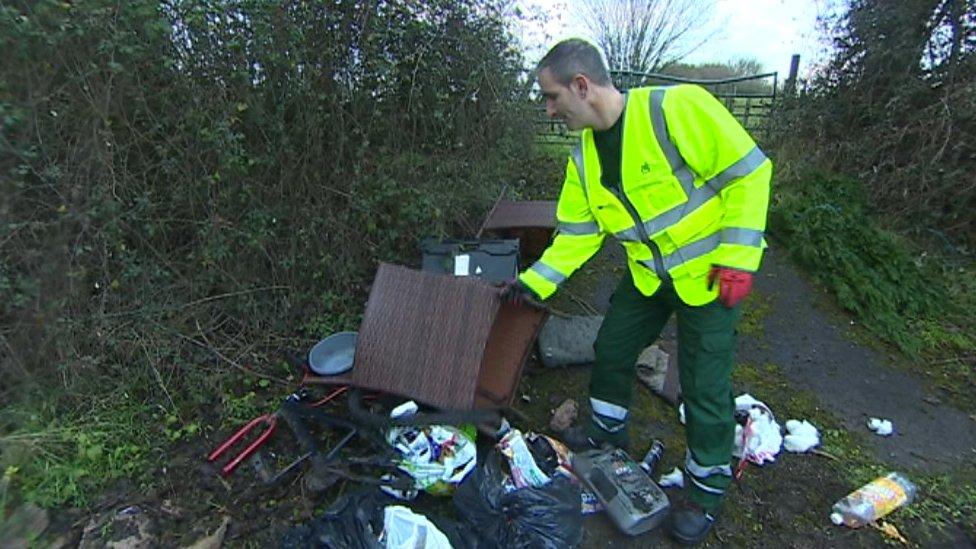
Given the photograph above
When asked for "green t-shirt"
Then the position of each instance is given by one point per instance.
(608, 146)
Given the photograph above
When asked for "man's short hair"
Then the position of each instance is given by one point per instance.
(575, 56)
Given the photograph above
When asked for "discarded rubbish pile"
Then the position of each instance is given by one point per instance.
(436, 362)
(524, 495)
(370, 519)
(442, 337)
(499, 505)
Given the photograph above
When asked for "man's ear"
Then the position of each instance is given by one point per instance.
(581, 85)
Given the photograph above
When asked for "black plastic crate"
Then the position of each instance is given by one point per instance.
(492, 260)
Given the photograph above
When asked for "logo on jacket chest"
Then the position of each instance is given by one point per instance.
(645, 168)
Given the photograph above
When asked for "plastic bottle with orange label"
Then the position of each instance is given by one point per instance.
(873, 500)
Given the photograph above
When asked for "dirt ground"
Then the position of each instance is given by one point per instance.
(796, 353)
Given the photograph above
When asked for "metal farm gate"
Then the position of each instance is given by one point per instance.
(749, 98)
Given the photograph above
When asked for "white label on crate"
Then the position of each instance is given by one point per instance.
(462, 265)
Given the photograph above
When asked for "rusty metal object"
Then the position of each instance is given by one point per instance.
(443, 340)
(531, 221)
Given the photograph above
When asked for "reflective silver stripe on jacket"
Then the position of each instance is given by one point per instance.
(548, 273)
(678, 166)
(742, 237)
(662, 221)
(577, 156)
(628, 235)
(698, 197)
(744, 166)
(702, 471)
(608, 409)
(698, 248)
(741, 168)
(578, 229)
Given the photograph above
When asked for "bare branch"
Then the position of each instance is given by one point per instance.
(647, 35)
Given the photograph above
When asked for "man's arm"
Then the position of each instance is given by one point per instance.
(718, 148)
(577, 238)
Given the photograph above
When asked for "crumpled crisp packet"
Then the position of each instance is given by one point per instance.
(437, 457)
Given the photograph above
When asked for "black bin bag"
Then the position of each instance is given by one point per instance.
(543, 517)
(355, 521)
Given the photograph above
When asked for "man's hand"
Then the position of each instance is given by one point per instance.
(733, 285)
(516, 293)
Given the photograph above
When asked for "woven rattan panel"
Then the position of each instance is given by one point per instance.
(511, 339)
(531, 222)
(424, 335)
(521, 214)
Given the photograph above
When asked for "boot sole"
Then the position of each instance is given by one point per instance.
(688, 541)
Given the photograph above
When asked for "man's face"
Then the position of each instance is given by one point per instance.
(563, 102)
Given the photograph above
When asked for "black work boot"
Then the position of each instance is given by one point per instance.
(689, 524)
(580, 439)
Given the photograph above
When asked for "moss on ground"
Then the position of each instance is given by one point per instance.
(945, 500)
(755, 309)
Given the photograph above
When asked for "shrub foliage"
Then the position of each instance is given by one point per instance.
(896, 108)
(875, 191)
(189, 183)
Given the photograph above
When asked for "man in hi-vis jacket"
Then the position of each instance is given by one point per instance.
(670, 174)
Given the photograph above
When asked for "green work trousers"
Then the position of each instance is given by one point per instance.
(706, 344)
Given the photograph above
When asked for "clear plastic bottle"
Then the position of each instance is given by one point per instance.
(873, 500)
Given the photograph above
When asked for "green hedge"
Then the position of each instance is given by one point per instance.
(831, 232)
(190, 184)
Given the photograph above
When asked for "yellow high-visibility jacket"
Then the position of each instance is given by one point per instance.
(695, 189)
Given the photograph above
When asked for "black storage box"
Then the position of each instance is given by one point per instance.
(492, 260)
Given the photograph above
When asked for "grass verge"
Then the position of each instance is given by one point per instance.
(945, 500)
(915, 299)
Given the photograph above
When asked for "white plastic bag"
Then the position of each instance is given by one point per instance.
(404, 529)
(761, 439)
(802, 436)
